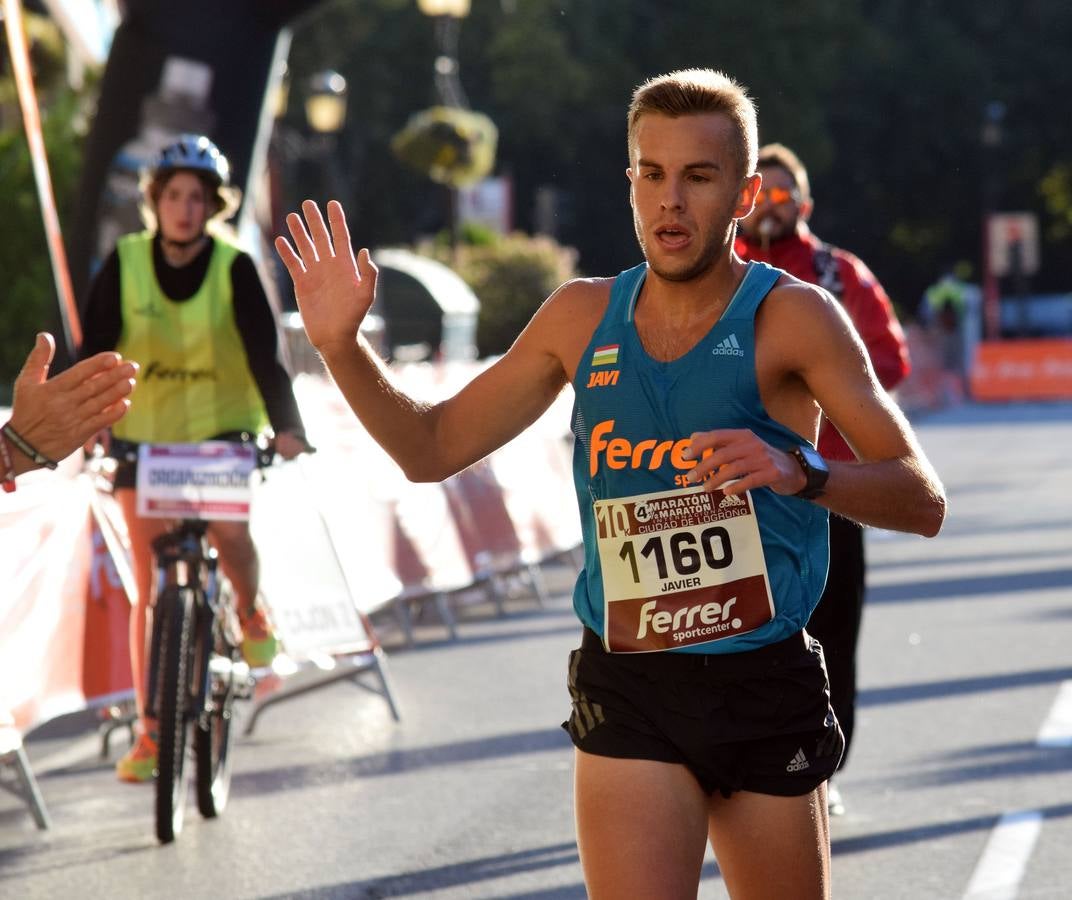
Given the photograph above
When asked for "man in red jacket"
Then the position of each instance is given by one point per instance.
(777, 232)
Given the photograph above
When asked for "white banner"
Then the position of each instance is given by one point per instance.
(301, 577)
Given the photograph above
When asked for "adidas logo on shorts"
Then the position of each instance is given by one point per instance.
(728, 347)
(798, 763)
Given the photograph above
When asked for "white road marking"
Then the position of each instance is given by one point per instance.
(1056, 731)
(999, 871)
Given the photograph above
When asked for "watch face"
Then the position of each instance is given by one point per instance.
(816, 471)
(814, 459)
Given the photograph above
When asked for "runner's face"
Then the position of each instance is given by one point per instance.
(685, 191)
(183, 208)
(778, 207)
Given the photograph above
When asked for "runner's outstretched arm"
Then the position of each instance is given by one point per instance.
(335, 291)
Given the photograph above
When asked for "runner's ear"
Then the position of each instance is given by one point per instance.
(746, 196)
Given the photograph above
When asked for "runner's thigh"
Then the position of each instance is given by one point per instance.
(772, 847)
(641, 828)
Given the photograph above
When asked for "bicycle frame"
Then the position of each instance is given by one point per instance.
(184, 560)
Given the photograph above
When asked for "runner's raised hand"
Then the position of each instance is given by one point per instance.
(333, 289)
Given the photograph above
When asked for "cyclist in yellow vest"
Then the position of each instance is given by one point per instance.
(188, 305)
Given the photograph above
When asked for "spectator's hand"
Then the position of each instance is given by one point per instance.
(289, 444)
(58, 415)
(334, 291)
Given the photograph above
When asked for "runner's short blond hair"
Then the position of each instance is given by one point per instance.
(688, 92)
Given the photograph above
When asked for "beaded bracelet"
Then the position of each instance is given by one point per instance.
(22, 444)
(8, 466)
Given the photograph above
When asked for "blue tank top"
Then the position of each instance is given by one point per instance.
(623, 393)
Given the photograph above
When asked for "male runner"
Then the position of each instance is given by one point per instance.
(723, 731)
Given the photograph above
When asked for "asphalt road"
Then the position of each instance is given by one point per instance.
(960, 783)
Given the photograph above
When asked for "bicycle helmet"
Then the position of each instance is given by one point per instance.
(194, 153)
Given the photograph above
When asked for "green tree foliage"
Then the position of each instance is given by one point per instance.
(908, 175)
(385, 49)
(883, 101)
(28, 303)
(1056, 189)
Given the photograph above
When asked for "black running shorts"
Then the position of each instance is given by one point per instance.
(755, 721)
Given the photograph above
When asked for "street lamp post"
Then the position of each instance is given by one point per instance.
(325, 114)
(305, 158)
(325, 105)
(448, 15)
(297, 151)
(991, 139)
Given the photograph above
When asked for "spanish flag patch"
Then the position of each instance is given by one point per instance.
(605, 356)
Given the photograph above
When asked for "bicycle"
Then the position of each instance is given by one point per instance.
(195, 675)
(195, 669)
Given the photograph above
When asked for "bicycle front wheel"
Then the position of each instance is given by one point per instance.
(214, 730)
(175, 609)
(212, 745)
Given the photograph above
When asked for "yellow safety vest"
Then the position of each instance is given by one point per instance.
(194, 381)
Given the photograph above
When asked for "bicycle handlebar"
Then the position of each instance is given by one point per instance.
(265, 452)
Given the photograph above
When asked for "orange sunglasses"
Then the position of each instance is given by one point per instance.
(777, 196)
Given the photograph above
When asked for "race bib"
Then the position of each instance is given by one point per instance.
(680, 567)
(209, 480)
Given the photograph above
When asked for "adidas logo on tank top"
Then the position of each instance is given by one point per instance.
(728, 347)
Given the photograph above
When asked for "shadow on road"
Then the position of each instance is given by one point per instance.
(932, 557)
(469, 872)
(398, 762)
(1023, 760)
(919, 835)
(432, 634)
(951, 687)
(971, 586)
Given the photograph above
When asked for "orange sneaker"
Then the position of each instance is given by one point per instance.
(259, 642)
(139, 764)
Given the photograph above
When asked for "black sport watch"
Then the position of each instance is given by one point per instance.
(815, 469)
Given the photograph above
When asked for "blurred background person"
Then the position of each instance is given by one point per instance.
(777, 232)
(951, 311)
(185, 302)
